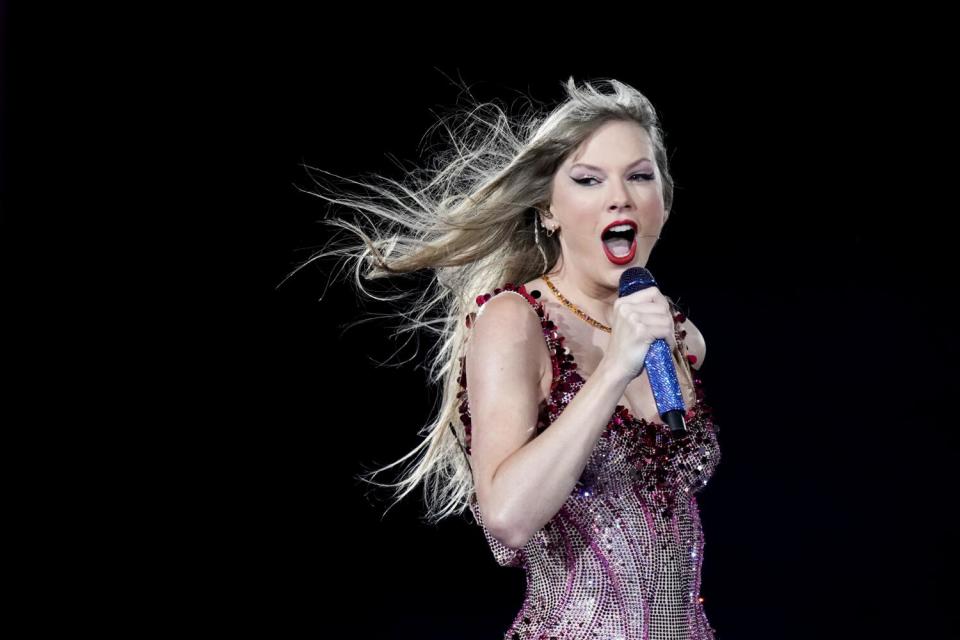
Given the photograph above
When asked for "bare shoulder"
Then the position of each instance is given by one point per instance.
(504, 370)
(508, 325)
(506, 310)
(695, 342)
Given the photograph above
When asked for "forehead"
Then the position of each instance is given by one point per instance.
(614, 143)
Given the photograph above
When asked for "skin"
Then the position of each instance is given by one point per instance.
(619, 190)
(583, 202)
(522, 481)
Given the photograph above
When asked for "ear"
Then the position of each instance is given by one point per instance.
(548, 215)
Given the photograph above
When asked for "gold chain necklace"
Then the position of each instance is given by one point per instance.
(574, 308)
(677, 355)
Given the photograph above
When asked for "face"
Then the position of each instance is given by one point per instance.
(622, 182)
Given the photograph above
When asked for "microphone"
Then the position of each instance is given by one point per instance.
(658, 361)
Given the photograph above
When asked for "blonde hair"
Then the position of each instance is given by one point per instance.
(469, 219)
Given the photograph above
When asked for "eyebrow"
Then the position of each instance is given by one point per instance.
(590, 166)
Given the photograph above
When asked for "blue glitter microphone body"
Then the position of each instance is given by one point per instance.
(658, 361)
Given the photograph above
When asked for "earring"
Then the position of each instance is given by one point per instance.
(536, 238)
(550, 232)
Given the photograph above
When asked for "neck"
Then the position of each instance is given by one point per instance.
(593, 298)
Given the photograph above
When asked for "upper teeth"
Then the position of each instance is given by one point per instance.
(621, 227)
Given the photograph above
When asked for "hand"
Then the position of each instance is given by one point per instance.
(638, 320)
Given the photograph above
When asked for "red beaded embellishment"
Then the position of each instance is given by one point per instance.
(631, 518)
(566, 380)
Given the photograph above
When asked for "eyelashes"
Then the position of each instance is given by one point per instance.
(584, 181)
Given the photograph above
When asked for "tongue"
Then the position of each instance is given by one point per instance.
(618, 246)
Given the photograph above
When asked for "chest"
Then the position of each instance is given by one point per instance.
(588, 345)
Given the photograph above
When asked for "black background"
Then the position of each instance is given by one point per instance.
(805, 242)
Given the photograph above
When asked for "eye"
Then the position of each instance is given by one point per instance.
(583, 181)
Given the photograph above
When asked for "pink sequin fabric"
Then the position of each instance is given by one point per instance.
(621, 560)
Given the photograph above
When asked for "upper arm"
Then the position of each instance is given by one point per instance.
(504, 365)
(694, 342)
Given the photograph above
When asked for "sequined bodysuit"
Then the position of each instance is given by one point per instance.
(622, 557)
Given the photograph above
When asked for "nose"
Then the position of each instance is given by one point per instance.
(616, 204)
(619, 196)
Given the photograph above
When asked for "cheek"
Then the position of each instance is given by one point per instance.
(572, 199)
(583, 225)
(651, 197)
(579, 213)
(653, 218)
(651, 210)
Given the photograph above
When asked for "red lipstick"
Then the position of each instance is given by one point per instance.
(625, 259)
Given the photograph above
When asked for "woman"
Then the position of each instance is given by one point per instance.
(564, 461)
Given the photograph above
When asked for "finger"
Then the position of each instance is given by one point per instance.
(652, 308)
(650, 294)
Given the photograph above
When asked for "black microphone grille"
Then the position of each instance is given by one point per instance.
(634, 279)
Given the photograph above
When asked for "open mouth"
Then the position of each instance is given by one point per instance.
(619, 242)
